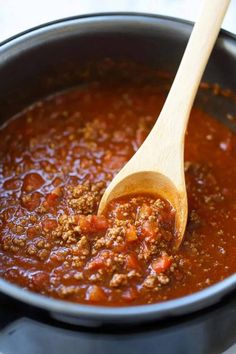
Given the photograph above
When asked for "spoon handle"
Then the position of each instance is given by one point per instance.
(180, 99)
(163, 150)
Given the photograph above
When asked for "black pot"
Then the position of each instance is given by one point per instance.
(46, 59)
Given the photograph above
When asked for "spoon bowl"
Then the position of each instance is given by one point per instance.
(155, 184)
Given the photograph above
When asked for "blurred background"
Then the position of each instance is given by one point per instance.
(19, 15)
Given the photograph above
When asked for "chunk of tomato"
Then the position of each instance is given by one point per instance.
(32, 182)
(85, 223)
(162, 264)
(92, 223)
(132, 262)
(131, 234)
(99, 222)
(95, 294)
(100, 261)
(52, 198)
(49, 224)
(149, 229)
(144, 211)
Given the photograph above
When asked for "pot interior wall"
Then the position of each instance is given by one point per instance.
(34, 66)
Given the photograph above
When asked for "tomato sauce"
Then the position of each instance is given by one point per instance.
(56, 159)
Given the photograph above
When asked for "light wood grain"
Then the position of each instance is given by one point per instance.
(158, 165)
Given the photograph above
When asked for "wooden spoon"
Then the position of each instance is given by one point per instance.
(158, 166)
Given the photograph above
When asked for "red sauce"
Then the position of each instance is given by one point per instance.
(56, 159)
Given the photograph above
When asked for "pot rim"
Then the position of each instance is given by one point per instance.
(175, 307)
(105, 14)
(180, 306)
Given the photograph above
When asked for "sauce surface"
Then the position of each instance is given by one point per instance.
(56, 159)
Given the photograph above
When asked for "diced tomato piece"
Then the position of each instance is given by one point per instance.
(130, 294)
(92, 223)
(53, 198)
(97, 263)
(95, 294)
(85, 223)
(11, 184)
(121, 247)
(144, 211)
(132, 262)
(100, 261)
(33, 231)
(99, 222)
(49, 224)
(58, 256)
(160, 265)
(32, 181)
(57, 191)
(131, 234)
(57, 181)
(31, 201)
(149, 229)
